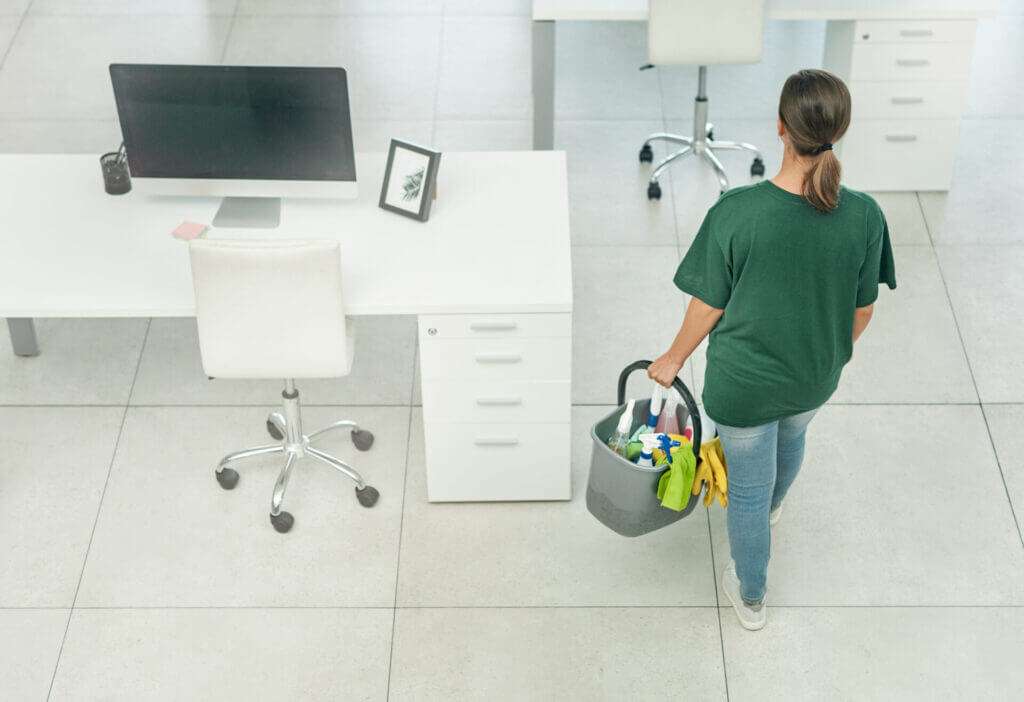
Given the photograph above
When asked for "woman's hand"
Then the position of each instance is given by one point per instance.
(665, 369)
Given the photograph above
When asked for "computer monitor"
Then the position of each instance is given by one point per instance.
(250, 134)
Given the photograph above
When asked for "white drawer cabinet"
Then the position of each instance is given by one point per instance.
(471, 462)
(899, 155)
(496, 405)
(908, 84)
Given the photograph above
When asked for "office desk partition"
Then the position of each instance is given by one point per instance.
(489, 277)
(906, 62)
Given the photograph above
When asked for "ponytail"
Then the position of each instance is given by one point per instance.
(821, 184)
(815, 109)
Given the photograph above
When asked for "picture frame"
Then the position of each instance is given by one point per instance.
(410, 180)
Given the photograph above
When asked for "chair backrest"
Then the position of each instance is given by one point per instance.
(270, 309)
(705, 32)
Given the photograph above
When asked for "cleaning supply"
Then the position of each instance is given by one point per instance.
(652, 442)
(681, 443)
(713, 472)
(620, 438)
(668, 421)
(652, 416)
(674, 487)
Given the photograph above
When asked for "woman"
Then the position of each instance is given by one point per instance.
(783, 275)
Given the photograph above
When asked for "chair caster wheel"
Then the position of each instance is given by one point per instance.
(228, 478)
(653, 191)
(368, 496)
(646, 154)
(283, 522)
(274, 423)
(711, 135)
(362, 439)
(757, 167)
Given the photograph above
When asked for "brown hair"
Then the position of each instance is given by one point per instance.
(815, 109)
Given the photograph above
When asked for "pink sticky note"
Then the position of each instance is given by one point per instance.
(186, 231)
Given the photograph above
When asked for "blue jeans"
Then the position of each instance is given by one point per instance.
(763, 462)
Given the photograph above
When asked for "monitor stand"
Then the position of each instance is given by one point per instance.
(249, 213)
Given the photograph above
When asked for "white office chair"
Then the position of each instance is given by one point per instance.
(274, 309)
(702, 33)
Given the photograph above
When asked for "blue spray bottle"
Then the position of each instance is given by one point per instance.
(655, 441)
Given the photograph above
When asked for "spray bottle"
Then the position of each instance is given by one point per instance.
(620, 439)
(652, 416)
(651, 442)
(668, 422)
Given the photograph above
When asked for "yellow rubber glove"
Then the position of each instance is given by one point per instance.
(718, 470)
(703, 477)
(713, 471)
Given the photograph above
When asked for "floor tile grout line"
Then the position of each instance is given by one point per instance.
(718, 604)
(974, 380)
(401, 524)
(99, 509)
(14, 37)
(231, 28)
(692, 372)
(924, 219)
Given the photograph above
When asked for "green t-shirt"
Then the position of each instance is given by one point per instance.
(789, 278)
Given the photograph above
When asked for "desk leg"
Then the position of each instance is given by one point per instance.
(23, 336)
(543, 85)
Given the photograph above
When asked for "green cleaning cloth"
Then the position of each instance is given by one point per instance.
(676, 482)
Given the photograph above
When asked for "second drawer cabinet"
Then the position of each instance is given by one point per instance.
(908, 84)
(496, 406)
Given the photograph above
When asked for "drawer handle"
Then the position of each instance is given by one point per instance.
(499, 401)
(907, 100)
(497, 441)
(901, 137)
(492, 326)
(916, 32)
(907, 63)
(498, 358)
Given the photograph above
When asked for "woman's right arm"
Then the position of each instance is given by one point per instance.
(861, 317)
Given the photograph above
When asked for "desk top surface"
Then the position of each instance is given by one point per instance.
(636, 10)
(497, 240)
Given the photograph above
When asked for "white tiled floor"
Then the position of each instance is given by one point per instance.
(126, 573)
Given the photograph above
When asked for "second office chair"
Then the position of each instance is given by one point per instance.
(274, 309)
(701, 33)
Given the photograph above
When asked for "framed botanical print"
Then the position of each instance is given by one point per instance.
(410, 180)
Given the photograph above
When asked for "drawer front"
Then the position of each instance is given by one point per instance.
(494, 326)
(908, 100)
(899, 155)
(911, 31)
(471, 462)
(911, 62)
(499, 401)
(496, 360)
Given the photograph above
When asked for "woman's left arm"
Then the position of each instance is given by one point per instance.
(698, 322)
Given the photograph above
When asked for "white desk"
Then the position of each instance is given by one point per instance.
(906, 61)
(489, 276)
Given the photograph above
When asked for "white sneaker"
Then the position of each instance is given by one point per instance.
(775, 515)
(751, 618)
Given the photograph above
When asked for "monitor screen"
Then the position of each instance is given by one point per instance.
(235, 122)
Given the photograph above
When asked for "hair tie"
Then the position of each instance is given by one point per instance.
(823, 148)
